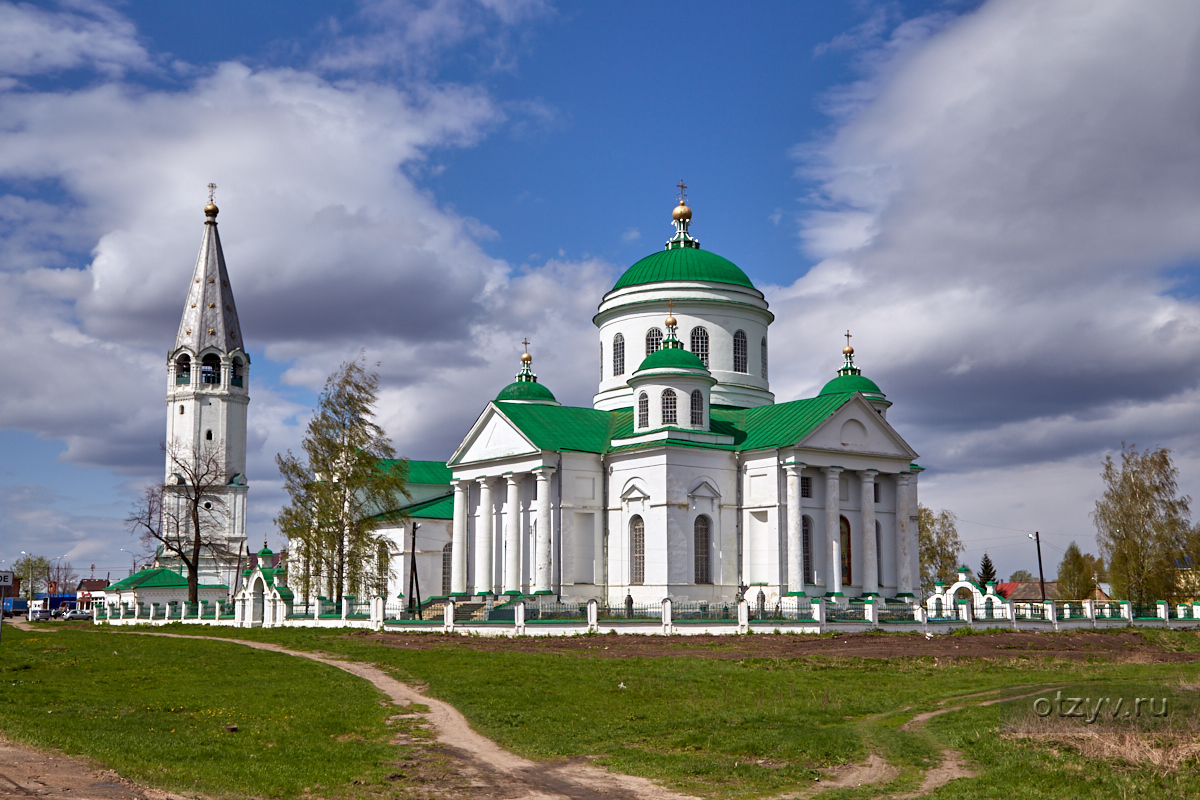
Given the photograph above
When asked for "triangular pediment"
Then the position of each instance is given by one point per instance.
(705, 489)
(492, 437)
(857, 427)
(634, 493)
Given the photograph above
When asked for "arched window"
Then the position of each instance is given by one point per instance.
(703, 540)
(236, 375)
(637, 551)
(700, 344)
(181, 408)
(739, 352)
(654, 339)
(447, 563)
(810, 569)
(668, 407)
(878, 552)
(208, 435)
(618, 355)
(847, 573)
(210, 369)
(697, 408)
(183, 369)
(764, 357)
(643, 411)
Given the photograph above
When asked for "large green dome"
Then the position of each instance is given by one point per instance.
(846, 384)
(684, 264)
(526, 392)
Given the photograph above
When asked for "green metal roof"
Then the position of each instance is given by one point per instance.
(421, 471)
(583, 430)
(843, 384)
(527, 391)
(437, 508)
(160, 578)
(684, 264)
(672, 358)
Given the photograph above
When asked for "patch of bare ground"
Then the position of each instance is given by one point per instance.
(1165, 744)
(1122, 645)
(26, 772)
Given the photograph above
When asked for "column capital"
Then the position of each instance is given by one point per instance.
(513, 478)
(459, 484)
(544, 473)
(868, 474)
(904, 478)
(794, 467)
(833, 471)
(486, 480)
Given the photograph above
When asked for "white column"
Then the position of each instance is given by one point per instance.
(795, 532)
(903, 557)
(870, 581)
(833, 529)
(484, 537)
(512, 536)
(458, 544)
(541, 552)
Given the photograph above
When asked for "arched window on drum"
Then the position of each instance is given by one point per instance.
(637, 550)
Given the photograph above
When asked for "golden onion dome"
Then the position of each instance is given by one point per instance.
(211, 210)
(671, 322)
(847, 350)
(681, 212)
(526, 358)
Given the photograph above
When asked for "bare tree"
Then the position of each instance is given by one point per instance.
(62, 575)
(187, 516)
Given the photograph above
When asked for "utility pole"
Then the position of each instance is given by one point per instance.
(1041, 575)
(414, 583)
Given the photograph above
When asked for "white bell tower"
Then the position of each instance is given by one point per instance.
(208, 383)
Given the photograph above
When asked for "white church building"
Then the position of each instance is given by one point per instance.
(685, 479)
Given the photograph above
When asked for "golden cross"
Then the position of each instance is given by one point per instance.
(212, 187)
(670, 308)
(847, 337)
(526, 343)
(682, 187)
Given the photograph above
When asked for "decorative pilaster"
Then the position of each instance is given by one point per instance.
(904, 576)
(485, 536)
(542, 546)
(512, 536)
(833, 530)
(795, 532)
(458, 544)
(870, 582)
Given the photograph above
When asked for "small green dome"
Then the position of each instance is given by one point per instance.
(672, 358)
(526, 391)
(846, 384)
(683, 264)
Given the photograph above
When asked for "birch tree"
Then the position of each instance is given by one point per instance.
(339, 486)
(939, 545)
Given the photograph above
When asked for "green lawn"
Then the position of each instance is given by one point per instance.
(715, 728)
(155, 710)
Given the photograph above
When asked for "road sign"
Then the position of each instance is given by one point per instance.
(6, 579)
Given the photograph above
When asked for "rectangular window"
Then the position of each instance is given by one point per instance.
(805, 487)
(877, 494)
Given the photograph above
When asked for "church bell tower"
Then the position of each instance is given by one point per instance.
(208, 383)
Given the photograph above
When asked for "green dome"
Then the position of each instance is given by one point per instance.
(684, 264)
(672, 358)
(845, 384)
(526, 391)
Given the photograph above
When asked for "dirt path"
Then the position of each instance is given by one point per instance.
(25, 772)
(503, 774)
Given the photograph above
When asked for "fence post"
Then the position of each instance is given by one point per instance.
(967, 613)
(519, 617)
(239, 613)
(921, 615)
(667, 627)
(377, 613)
(1196, 611)
(1089, 611)
(1127, 611)
(743, 615)
(869, 612)
(1161, 611)
(448, 615)
(345, 606)
(593, 612)
(819, 613)
(1050, 612)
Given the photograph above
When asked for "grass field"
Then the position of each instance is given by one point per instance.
(721, 728)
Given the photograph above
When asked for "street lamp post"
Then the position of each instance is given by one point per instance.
(1041, 575)
(132, 561)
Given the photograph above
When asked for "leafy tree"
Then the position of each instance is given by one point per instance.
(1078, 574)
(187, 516)
(940, 547)
(33, 571)
(987, 570)
(1021, 576)
(1142, 525)
(338, 489)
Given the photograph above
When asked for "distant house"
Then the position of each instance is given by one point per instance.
(1031, 591)
(88, 592)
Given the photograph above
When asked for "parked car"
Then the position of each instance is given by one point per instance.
(40, 616)
(75, 614)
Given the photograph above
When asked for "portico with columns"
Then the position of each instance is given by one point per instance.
(685, 479)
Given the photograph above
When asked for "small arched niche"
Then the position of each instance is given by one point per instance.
(853, 433)
(183, 368)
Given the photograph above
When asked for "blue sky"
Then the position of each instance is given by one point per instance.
(998, 198)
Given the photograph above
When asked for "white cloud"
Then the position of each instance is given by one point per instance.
(1000, 202)
(35, 41)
